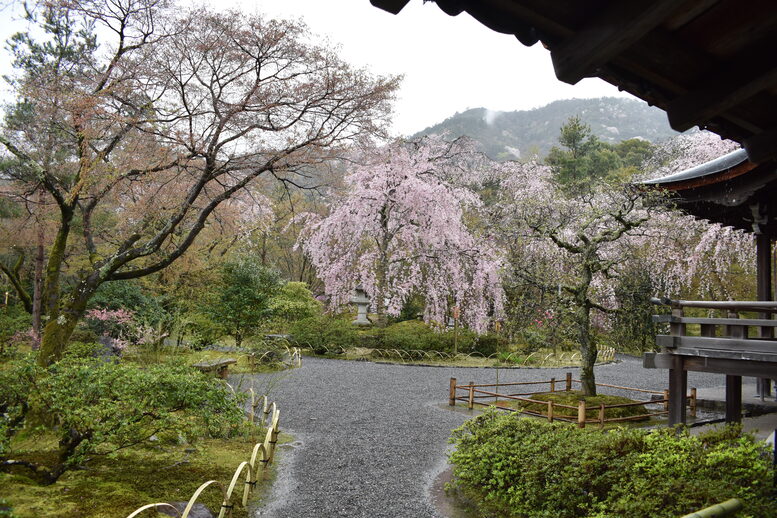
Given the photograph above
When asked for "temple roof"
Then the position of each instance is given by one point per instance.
(729, 190)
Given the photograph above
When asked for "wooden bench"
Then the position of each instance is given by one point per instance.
(218, 367)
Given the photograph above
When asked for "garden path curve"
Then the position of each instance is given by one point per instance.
(370, 438)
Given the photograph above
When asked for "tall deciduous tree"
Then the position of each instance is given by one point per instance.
(579, 244)
(579, 236)
(140, 141)
(400, 229)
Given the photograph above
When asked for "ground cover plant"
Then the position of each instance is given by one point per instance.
(509, 466)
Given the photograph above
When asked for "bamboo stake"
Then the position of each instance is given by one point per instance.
(581, 413)
(225, 505)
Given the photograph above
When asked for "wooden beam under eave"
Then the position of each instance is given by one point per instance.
(392, 6)
(725, 90)
(762, 147)
(616, 29)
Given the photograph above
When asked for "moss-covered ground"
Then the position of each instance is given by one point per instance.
(117, 485)
(571, 399)
(190, 357)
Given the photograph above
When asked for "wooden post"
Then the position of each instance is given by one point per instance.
(550, 411)
(733, 399)
(666, 400)
(581, 413)
(452, 393)
(678, 388)
(601, 415)
(569, 382)
(693, 401)
(552, 384)
(471, 400)
(763, 255)
(677, 329)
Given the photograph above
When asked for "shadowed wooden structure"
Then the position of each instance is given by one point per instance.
(707, 63)
(735, 192)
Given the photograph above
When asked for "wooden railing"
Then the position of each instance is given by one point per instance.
(473, 394)
(724, 337)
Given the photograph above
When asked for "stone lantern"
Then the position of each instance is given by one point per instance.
(362, 303)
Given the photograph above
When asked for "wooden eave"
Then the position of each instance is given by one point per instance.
(707, 63)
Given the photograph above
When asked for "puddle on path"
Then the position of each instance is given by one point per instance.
(282, 485)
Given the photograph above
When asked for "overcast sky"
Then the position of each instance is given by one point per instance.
(449, 64)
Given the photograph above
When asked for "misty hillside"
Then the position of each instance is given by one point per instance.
(507, 135)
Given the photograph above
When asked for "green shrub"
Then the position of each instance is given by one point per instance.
(294, 301)
(417, 335)
(521, 467)
(488, 344)
(324, 332)
(203, 330)
(14, 321)
(84, 334)
(97, 407)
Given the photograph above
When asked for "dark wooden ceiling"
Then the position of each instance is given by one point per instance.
(707, 63)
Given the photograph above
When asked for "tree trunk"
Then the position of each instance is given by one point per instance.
(37, 290)
(381, 275)
(62, 323)
(588, 349)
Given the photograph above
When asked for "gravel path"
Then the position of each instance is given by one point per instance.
(370, 438)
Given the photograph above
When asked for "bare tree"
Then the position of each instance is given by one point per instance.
(151, 134)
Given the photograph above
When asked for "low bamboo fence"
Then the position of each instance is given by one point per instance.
(473, 394)
(252, 470)
(535, 359)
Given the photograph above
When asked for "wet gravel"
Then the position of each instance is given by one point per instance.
(370, 438)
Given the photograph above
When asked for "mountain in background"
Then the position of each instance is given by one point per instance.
(510, 135)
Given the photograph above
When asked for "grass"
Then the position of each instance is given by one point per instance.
(571, 399)
(117, 485)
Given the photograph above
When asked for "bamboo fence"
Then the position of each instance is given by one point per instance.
(251, 470)
(472, 393)
(564, 358)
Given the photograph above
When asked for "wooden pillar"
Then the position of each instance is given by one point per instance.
(733, 399)
(452, 392)
(678, 386)
(763, 258)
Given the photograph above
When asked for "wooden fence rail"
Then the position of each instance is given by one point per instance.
(473, 392)
(251, 470)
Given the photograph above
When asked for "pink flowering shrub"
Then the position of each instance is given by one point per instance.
(116, 323)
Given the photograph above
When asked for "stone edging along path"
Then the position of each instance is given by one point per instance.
(371, 438)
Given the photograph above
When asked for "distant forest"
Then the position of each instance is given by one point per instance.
(519, 134)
